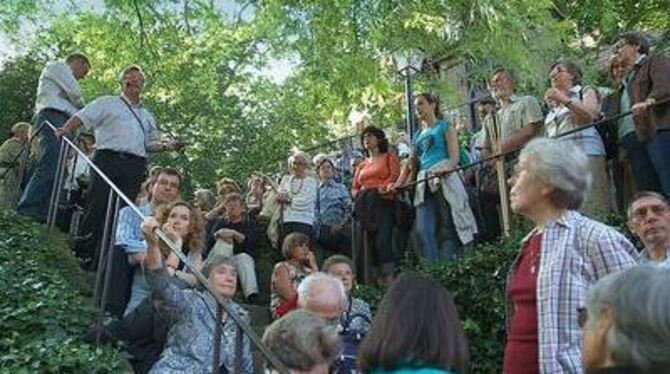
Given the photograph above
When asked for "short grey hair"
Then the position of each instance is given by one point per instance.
(643, 194)
(562, 165)
(130, 68)
(639, 299)
(216, 261)
(298, 155)
(312, 289)
(302, 340)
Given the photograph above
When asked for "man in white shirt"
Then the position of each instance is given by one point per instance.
(649, 219)
(125, 132)
(58, 98)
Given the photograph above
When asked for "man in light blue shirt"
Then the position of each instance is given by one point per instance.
(131, 248)
(333, 209)
(649, 219)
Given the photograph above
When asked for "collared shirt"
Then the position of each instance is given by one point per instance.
(560, 120)
(626, 124)
(58, 89)
(521, 111)
(575, 253)
(189, 346)
(333, 203)
(128, 231)
(665, 262)
(116, 128)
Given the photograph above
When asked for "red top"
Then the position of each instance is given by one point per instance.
(378, 172)
(521, 351)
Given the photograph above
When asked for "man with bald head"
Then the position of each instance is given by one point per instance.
(322, 295)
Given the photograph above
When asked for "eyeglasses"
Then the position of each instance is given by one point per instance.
(641, 213)
(582, 317)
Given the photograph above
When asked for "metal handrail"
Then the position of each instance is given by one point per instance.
(246, 329)
(604, 121)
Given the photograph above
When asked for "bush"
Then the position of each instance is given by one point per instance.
(45, 307)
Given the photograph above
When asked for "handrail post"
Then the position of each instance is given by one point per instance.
(103, 257)
(55, 190)
(72, 175)
(218, 329)
(110, 250)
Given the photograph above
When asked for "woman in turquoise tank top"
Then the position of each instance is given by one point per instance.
(434, 152)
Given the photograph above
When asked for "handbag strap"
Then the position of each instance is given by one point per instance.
(139, 121)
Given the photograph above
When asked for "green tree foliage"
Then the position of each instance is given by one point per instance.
(18, 82)
(201, 62)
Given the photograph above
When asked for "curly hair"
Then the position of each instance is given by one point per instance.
(378, 133)
(195, 238)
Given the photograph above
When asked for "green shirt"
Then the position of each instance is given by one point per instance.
(521, 111)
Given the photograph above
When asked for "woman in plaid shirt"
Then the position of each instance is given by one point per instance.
(561, 258)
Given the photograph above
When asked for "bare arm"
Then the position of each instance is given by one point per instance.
(408, 170)
(71, 125)
(586, 111)
(282, 282)
(454, 150)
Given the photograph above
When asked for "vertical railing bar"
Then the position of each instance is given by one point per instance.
(102, 253)
(110, 249)
(55, 189)
(103, 259)
(72, 175)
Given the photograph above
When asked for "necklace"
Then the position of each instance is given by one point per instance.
(534, 256)
(293, 191)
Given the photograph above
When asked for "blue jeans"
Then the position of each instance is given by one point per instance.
(659, 154)
(35, 199)
(649, 161)
(434, 210)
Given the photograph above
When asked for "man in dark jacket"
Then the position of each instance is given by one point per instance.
(646, 134)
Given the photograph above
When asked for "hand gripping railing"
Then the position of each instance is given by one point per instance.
(112, 208)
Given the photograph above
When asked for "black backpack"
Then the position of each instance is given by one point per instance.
(345, 363)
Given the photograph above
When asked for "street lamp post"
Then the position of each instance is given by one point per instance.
(408, 62)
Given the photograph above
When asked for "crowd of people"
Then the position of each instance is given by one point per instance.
(558, 170)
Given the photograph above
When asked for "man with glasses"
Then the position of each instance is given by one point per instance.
(649, 219)
(646, 134)
(125, 132)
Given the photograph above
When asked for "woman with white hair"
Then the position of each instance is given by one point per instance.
(297, 193)
(561, 258)
(303, 342)
(627, 323)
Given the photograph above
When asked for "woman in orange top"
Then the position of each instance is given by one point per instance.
(371, 188)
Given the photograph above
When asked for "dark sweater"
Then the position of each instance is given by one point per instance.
(245, 227)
